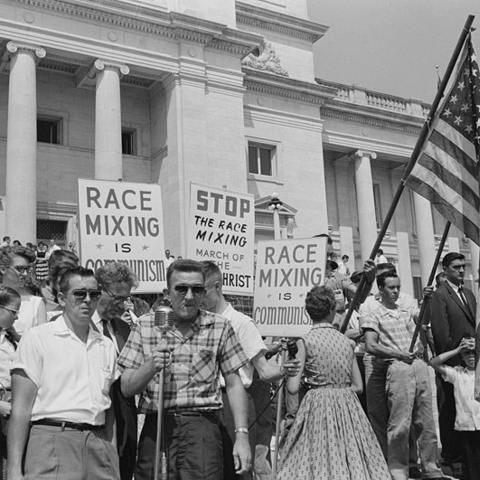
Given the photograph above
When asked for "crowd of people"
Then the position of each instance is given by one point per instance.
(85, 366)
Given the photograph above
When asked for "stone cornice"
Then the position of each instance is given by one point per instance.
(279, 22)
(372, 117)
(271, 84)
(153, 20)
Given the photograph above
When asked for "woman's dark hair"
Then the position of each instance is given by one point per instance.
(320, 301)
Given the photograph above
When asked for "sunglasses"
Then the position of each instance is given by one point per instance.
(183, 289)
(20, 269)
(116, 299)
(81, 294)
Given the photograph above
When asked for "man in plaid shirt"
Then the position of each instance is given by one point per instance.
(388, 333)
(200, 346)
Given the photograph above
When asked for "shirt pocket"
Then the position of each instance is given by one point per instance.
(203, 365)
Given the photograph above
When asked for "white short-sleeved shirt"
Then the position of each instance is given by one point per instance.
(28, 314)
(249, 338)
(7, 354)
(468, 409)
(73, 378)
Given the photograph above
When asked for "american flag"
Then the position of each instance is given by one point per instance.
(447, 170)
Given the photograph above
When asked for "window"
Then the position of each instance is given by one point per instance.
(49, 130)
(417, 288)
(260, 159)
(129, 146)
(378, 205)
(48, 229)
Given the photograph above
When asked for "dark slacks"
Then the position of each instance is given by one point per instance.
(192, 445)
(471, 441)
(452, 443)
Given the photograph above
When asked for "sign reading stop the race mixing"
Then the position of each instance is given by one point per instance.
(123, 222)
(222, 229)
(286, 271)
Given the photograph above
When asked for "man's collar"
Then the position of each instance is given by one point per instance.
(60, 327)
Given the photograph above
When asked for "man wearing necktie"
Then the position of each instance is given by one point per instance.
(116, 281)
(453, 308)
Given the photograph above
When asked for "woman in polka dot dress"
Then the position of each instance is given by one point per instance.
(331, 438)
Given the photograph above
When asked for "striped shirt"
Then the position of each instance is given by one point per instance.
(209, 347)
(395, 327)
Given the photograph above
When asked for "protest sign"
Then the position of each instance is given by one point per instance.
(286, 270)
(222, 229)
(123, 222)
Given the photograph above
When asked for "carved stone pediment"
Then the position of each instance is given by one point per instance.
(265, 58)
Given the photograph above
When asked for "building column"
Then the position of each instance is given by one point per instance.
(365, 201)
(108, 120)
(425, 236)
(21, 171)
(475, 259)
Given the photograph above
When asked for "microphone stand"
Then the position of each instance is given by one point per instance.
(158, 453)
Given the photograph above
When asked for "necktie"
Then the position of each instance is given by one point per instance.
(106, 332)
(462, 296)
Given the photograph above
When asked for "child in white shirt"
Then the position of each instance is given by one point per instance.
(467, 419)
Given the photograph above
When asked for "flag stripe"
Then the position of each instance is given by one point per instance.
(437, 162)
(457, 138)
(448, 210)
(453, 197)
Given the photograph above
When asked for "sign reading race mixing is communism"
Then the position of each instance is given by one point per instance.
(123, 222)
(222, 229)
(286, 270)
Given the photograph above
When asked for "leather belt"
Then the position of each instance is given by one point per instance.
(63, 425)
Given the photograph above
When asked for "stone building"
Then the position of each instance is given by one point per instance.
(219, 92)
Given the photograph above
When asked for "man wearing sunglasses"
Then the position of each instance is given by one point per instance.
(116, 281)
(61, 423)
(200, 346)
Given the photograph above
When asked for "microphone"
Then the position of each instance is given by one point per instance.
(164, 319)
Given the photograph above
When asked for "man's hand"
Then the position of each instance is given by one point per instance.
(428, 291)
(407, 357)
(161, 356)
(369, 270)
(242, 454)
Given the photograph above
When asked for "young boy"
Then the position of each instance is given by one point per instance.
(467, 420)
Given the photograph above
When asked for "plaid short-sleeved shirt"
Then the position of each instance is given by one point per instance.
(210, 347)
(395, 328)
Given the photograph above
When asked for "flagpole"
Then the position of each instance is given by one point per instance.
(413, 159)
(431, 278)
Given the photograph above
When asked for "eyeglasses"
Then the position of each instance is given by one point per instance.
(11, 310)
(183, 289)
(22, 269)
(81, 294)
(116, 299)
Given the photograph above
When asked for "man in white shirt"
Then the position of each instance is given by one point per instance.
(61, 418)
(250, 340)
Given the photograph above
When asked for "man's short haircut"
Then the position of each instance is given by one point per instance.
(324, 235)
(6, 238)
(345, 256)
(184, 265)
(211, 269)
(390, 267)
(381, 279)
(115, 272)
(380, 251)
(319, 302)
(73, 272)
(450, 257)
